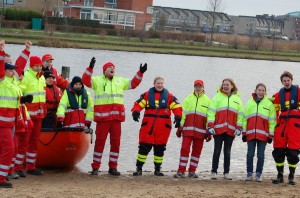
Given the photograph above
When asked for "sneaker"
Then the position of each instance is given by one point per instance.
(249, 177)
(13, 176)
(35, 172)
(114, 171)
(227, 176)
(5, 185)
(95, 171)
(21, 173)
(138, 172)
(213, 175)
(258, 177)
(158, 173)
(192, 175)
(179, 175)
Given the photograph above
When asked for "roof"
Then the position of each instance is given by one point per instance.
(294, 14)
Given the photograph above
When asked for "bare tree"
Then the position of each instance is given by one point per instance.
(214, 6)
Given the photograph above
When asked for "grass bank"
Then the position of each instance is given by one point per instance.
(152, 45)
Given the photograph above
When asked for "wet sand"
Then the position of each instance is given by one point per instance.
(77, 184)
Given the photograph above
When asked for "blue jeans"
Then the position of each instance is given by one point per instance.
(260, 155)
(219, 139)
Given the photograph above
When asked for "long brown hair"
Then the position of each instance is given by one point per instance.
(234, 89)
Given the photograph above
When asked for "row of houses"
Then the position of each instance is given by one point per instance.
(142, 15)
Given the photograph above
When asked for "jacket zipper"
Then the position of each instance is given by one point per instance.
(151, 130)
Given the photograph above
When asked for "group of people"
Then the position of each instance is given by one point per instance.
(41, 98)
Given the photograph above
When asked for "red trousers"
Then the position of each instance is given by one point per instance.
(185, 153)
(22, 146)
(6, 152)
(12, 165)
(33, 136)
(102, 130)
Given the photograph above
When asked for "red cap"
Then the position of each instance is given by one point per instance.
(106, 65)
(199, 82)
(47, 57)
(35, 60)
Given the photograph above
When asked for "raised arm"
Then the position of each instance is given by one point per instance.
(22, 59)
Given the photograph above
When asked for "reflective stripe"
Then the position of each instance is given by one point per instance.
(293, 165)
(114, 154)
(30, 160)
(23, 55)
(4, 167)
(113, 159)
(75, 125)
(18, 162)
(88, 73)
(223, 125)
(194, 129)
(12, 165)
(31, 154)
(109, 113)
(9, 98)
(36, 112)
(138, 77)
(258, 131)
(195, 158)
(109, 96)
(280, 164)
(212, 110)
(196, 113)
(7, 119)
(96, 159)
(184, 158)
(36, 93)
(3, 173)
(97, 154)
(20, 156)
(182, 164)
(63, 105)
(193, 164)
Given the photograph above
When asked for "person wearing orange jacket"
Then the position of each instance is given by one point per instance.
(109, 110)
(10, 98)
(258, 129)
(59, 81)
(193, 129)
(156, 125)
(34, 84)
(286, 136)
(224, 122)
(76, 106)
(53, 96)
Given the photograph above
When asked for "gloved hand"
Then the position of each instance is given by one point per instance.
(177, 120)
(207, 138)
(143, 68)
(92, 63)
(244, 138)
(27, 99)
(270, 140)
(179, 132)
(211, 131)
(59, 125)
(88, 125)
(237, 132)
(136, 116)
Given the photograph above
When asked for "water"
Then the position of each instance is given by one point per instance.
(179, 73)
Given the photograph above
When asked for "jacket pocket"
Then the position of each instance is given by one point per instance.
(169, 126)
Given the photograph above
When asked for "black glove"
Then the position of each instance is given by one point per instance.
(270, 140)
(143, 68)
(244, 138)
(59, 125)
(136, 116)
(88, 125)
(92, 63)
(27, 98)
(177, 120)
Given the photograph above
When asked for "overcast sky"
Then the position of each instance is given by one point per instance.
(238, 7)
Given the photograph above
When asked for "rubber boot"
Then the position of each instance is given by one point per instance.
(114, 172)
(279, 178)
(138, 172)
(292, 176)
(157, 171)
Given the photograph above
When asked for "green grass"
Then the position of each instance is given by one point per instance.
(153, 45)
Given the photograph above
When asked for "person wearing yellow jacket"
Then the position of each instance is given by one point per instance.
(34, 84)
(193, 129)
(75, 108)
(258, 129)
(224, 122)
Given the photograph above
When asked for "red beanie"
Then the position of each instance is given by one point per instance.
(106, 65)
(35, 60)
(199, 82)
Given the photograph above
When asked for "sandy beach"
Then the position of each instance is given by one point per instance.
(78, 184)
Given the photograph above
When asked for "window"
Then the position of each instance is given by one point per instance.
(149, 10)
(88, 3)
(8, 2)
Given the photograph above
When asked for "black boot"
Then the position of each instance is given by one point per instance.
(291, 176)
(157, 171)
(138, 172)
(114, 171)
(279, 178)
(95, 171)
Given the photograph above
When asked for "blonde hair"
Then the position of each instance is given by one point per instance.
(234, 89)
(158, 78)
